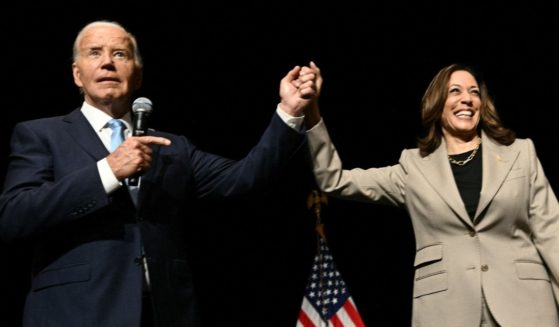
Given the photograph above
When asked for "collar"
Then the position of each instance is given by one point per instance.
(99, 119)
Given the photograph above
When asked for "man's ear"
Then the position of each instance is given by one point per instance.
(77, 74)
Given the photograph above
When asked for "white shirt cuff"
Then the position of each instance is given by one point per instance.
(108, 178)
(294, 122)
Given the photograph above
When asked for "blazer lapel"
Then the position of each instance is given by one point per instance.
(149, 177)
(436, 169)
(81, 131)
(497, 162)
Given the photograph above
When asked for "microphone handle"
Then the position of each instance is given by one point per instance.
(139, 129)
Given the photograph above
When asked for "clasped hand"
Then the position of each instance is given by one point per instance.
(299, 88)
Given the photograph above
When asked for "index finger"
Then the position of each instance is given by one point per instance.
(154, 140)
(292, 74)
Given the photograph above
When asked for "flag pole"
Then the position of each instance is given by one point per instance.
(327, 301)
(315, 201)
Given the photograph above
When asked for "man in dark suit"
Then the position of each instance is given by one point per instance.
(101, 246)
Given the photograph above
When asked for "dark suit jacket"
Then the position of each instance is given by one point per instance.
(87, 243)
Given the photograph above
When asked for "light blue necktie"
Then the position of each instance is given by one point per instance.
(117, 136)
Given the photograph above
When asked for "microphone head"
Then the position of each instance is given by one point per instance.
(142, 105)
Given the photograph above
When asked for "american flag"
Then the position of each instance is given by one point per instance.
(327, 301)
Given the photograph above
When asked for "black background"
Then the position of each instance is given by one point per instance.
(212, 71)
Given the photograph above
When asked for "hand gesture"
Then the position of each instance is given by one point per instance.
(299, 88)
(133, 155)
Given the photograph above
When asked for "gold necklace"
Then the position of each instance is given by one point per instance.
(465, 161)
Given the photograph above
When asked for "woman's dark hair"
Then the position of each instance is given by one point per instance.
(432, 105)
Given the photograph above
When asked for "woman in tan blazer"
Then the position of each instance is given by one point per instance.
(485, 218)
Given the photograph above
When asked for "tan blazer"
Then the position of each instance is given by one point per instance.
(510, 250)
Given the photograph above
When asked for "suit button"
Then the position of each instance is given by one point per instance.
(484, 268)
(472, 233)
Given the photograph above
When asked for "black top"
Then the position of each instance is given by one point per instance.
(468, 179)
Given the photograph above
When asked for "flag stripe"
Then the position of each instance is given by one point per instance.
(345, 318)
(304, 320)
(351, 310)
(312, 314)
(336, 322)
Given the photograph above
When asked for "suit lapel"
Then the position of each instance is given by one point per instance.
(81, 131)
(436, 170)
(497, 162)
(150, 175)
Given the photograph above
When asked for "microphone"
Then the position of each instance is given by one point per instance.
(141, 109)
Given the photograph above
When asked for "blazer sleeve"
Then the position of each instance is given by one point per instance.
(384, 185)
(33, 198)
(544, 217)
(216, 176)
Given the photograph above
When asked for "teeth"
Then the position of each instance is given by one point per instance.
(464, 113)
